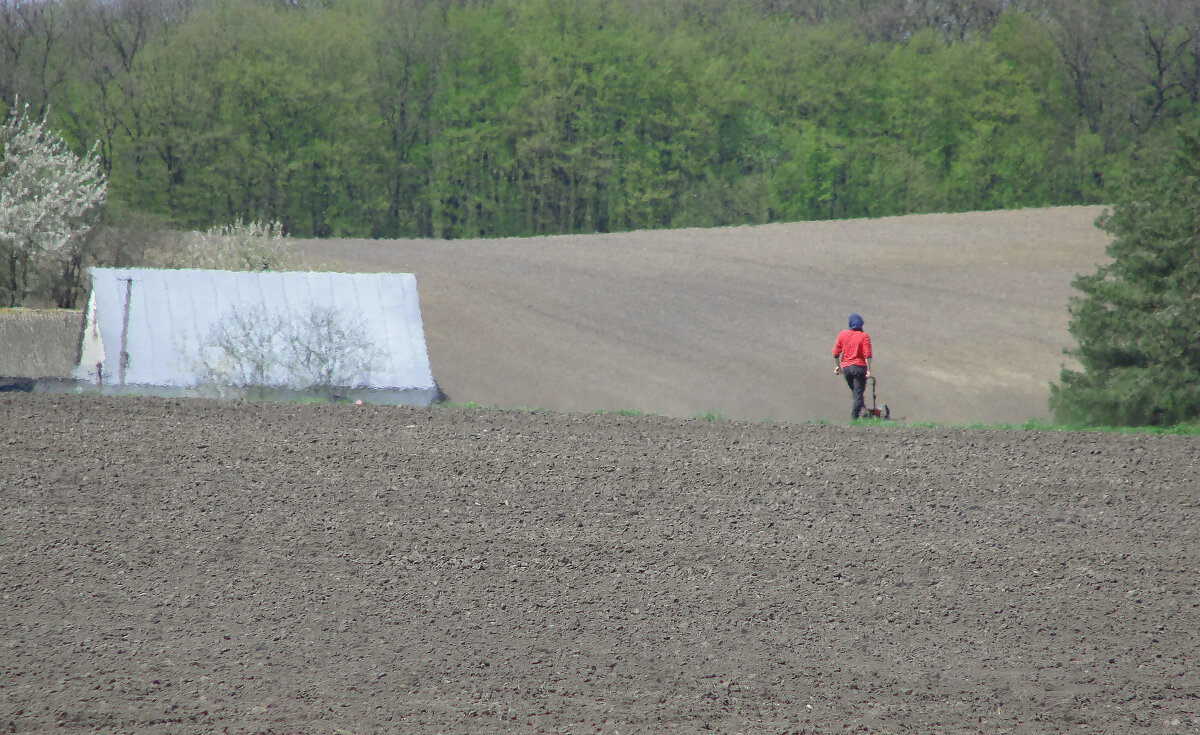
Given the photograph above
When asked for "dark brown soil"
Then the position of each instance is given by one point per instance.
(197, 567)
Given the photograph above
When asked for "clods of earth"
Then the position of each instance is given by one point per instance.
(187, 566)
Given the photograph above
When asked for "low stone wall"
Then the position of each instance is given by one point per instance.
(39, 343)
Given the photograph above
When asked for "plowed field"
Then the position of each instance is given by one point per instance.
(198, 567)
(967, 312)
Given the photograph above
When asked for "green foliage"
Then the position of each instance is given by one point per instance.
(256, 113)
(408, 118)
(1137, 322)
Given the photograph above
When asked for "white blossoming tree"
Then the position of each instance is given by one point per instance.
(241, 246)
(49, 199)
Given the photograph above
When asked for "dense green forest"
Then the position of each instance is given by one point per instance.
(469, 118)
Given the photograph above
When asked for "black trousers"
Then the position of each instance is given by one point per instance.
(856, 378)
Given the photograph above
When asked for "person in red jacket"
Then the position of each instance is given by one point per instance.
(852, 353)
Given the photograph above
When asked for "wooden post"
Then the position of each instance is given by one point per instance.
(125, 333)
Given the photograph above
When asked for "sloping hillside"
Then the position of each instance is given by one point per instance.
(968, 313)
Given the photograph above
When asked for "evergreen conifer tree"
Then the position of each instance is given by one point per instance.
(1137, 323)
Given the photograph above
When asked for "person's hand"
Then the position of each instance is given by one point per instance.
(868, 374)
(837, 370)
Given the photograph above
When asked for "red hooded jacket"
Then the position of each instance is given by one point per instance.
(854, 347)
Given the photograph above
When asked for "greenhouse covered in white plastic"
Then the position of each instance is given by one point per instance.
(355, 336)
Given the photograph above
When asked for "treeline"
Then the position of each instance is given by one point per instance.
(486, 118)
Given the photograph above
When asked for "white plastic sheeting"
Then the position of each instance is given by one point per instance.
(162, 317)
